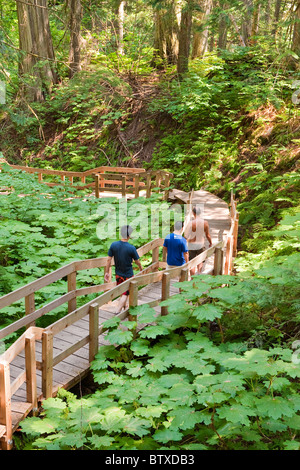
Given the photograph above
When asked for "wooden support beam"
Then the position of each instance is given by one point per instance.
(5, 405)
(165, 291)
(97, 191)
(72, 303)
(218, 262)
(133, 296)
(30, 365)
(124, 186)
(93, 330)
(136, 185)
(30, 306)
(148, 185)
(47, 364)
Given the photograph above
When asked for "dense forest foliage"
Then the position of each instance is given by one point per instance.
(208, 90)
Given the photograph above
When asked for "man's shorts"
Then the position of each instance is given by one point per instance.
(121, 279)
(194, 253)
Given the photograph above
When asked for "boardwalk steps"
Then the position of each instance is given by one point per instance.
(43, 360)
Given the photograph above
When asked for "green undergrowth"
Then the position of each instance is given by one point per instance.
(174, 386)
(45, 228)
(70, 129)
(219, 372)
(228, 112)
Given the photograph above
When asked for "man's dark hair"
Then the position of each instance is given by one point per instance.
(196, 210)
(126, 231)
(178, 225)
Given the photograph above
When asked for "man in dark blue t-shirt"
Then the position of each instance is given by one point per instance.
(175, 247)
(123, 253)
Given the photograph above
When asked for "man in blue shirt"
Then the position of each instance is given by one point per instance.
(123, 253)
(175, 247)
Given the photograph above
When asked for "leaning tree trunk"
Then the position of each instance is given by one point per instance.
(37, 59)
(201, 30)
(296, 32)
(75, 38)
(120, 27)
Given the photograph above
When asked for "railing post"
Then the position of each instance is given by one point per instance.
(93, 330)
(30, 306)
(155, 254)
(72, 286)
(97, 191)
(235, 234)
(47, 364)
(5, 405)
(148, 184)
(30, 365)
(123, 185)
(227, 256)
(165, 291)
(133, 296)
(101, 177)
(136, 185)
(218, 261)
(184, 275)
(166, 185)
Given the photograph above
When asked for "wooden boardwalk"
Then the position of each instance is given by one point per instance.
(59, 356)
(71, 370)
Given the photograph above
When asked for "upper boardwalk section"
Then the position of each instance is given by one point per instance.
(104, 181)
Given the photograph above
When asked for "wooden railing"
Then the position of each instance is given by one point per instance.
(26, 342)
(231, 242)
(122, 180)
(8, 422)
(133, 182)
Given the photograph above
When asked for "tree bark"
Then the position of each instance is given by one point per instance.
(184, 41)
(200, 37)
(37, 59)
(75, 38)
(255, 21)
(276, 15)
(296, 32)
(223, 28)
(166, 38)
(120, 26)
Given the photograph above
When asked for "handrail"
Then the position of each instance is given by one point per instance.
(231, 242)
(28, 291)
(26, 342)
(104, 177)
(148, 275)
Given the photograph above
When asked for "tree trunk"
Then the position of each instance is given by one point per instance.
(166, 44)
(201, 30)
(255, 21)
(184, 41)
(37, 59)
(296, 32)
(75, 39)
(120, 26)
(276, 15)
(246, 24)
(223, 28)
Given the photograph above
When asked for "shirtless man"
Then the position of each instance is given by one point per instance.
(194, 233)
